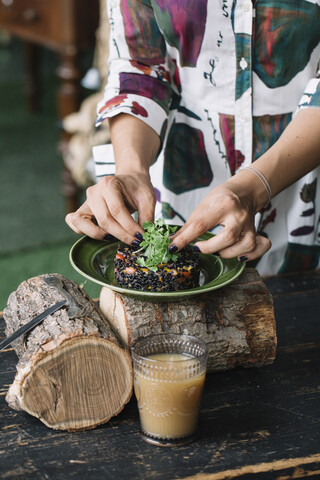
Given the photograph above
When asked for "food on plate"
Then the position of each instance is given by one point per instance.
(152, 267)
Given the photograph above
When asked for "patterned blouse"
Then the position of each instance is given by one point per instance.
(219, 80)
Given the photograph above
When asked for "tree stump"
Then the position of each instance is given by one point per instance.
(72, 374)
(237, 321)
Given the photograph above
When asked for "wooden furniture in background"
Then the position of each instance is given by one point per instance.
(66, 27)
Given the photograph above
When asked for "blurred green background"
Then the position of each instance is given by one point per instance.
(34, 238)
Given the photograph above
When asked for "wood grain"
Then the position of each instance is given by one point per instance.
(261, 423)
(72, 374)
(237, 322)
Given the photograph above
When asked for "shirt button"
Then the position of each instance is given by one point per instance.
(243, 63)
(244, 118)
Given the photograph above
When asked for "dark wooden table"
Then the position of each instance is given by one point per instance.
(255, 423)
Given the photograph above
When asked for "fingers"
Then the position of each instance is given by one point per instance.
(83, 222)
(109, 206)
(262, 245)
(230, 241)
(236, 239)
(219, 207)
(228, 236)
(112, 214)
(248, 247)
(146, 205)
(188, 233)
(238, 236)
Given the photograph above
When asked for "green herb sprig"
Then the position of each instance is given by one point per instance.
(156, 241)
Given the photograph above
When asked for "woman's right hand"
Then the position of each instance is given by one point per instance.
(109, 205)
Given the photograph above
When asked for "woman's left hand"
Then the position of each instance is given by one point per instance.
(238, 237)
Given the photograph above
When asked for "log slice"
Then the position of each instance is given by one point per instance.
(72, 374)
(237, 321)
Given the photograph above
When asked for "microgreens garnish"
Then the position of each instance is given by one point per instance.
(156, 241)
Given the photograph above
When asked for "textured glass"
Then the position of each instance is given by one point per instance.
(169, 373)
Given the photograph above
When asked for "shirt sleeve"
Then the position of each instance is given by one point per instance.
(311, 95)
(139, 79)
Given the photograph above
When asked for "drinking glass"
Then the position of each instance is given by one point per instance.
(169, 374)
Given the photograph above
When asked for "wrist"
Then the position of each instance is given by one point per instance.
(252, 189)
(258, 173)
(135, 144)
(132, 164)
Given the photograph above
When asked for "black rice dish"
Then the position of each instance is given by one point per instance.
(181, 274)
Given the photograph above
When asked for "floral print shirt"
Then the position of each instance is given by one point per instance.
(219, 80)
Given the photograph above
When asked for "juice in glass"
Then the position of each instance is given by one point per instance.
(168, 386)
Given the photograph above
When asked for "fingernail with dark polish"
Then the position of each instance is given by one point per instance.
(243, 258)
(108, 237)
(173, 249)
(196, 249)
(217, 254)
(135, 243)
(139, 236)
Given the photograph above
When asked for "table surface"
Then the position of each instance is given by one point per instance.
(255, 423)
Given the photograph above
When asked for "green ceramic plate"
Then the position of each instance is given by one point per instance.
(94, 260)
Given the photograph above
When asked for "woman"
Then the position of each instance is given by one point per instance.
(197, 92)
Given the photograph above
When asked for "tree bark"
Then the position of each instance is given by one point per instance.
(72, 374)
(237, 321)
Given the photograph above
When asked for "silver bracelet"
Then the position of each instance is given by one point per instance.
(263, 179)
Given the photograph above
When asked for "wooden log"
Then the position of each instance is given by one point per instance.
(72, 374)
(237, 321)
